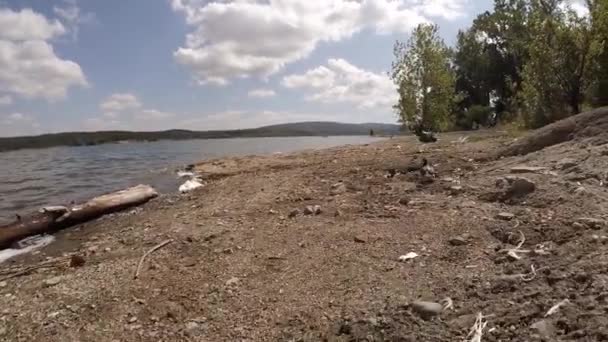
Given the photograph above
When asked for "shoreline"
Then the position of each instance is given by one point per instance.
(244, 265)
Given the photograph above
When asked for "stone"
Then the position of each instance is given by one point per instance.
(232, 281)
(77, 261)
(505, 216)
(457, 241)
(591, 222)
(337, 189)
(566, 163)
(52, 281)
(527, 169)
(360, 239)
(312, 210)
(519, 187)
(3, 284)
(404, 200)
(190, 326)
(132, 319)
(545, 329)
(294, 213)
(427, 310)
(456, 190)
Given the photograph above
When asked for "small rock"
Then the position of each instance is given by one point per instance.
(337, 189)
(566, 163)
(592, 223)
(190, 326)
(312, 210)
(427, 310)
(545, 329)
(360, 239)
(519, 187)
(456, 190)
(338, 213)
(132, 319)
(77, 261)
(527, 169)
(3, 284)
(52, 281)
(404, 200)
(232, 281)
(457, 241)
(505, 216)
(294, 213)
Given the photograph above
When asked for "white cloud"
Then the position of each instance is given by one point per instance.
(5, 100)
(342, 82)
(72, 16)
(242, 38)
(29, 66)
(119, 102)
(261, 93)
(153, 114)
(578, 6)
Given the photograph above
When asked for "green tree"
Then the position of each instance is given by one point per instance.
(425, 80)
(599, 20)
(557, 75)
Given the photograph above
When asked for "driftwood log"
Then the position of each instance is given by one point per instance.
(50, 219)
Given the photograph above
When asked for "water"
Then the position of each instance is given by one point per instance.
(30, 179)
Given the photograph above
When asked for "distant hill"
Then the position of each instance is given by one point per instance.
(283, 130)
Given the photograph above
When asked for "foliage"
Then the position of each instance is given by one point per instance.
(475, 116)
(425, 80)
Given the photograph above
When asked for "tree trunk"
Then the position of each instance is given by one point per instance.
(51, 219)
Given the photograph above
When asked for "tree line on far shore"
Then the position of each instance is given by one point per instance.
(526, 62)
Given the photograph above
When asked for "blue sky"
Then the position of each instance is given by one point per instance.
(158, 64)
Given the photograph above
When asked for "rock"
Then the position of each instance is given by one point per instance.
(592, 223)
(404, 200)
(312, 210)
(52, 281)
(294, 213)
(190, 326)
(519, 187)
(505, 216)
(3, 283)
(77, 261)
(360, 239)
(545, 329)
(132, 319)
(456, 190)
(338, 213)
(527, 169)
(427, 310)
(457, 241)
(337, 189)
(464, 322)
(232, 281)
(566, 163)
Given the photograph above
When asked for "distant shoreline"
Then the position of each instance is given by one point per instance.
(303, 129)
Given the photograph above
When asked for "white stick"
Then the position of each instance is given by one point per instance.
(143, 257)
(556, 307)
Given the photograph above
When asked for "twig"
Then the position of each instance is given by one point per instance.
(143, 257)
(514, 251)
(556, 307)
(529, 277)
(477, 330)
(448, 303)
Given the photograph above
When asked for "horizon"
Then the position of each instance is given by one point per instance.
(198, 130)
(77, 65)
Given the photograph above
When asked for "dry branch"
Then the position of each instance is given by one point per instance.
(143, 257)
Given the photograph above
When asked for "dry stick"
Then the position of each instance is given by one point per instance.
(143, 257)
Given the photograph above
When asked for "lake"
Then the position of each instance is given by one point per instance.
(30, 179)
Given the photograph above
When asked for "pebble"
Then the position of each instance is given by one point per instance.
(566, 163)
(3, 284)
(458, 241)
(427, 309)
(52, 281)
(590, 222)
(232, 281)
(360, 239)
(294, 213)
(132, 319)
(77, 261)
(544, 328)
(456, 190)
(520, 186)
(338, 188)
(312, 210)
(191, 326)
(505, 216)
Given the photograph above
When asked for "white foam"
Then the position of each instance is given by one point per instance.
(26, 245)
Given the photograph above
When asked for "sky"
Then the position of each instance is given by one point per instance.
(88, 65)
